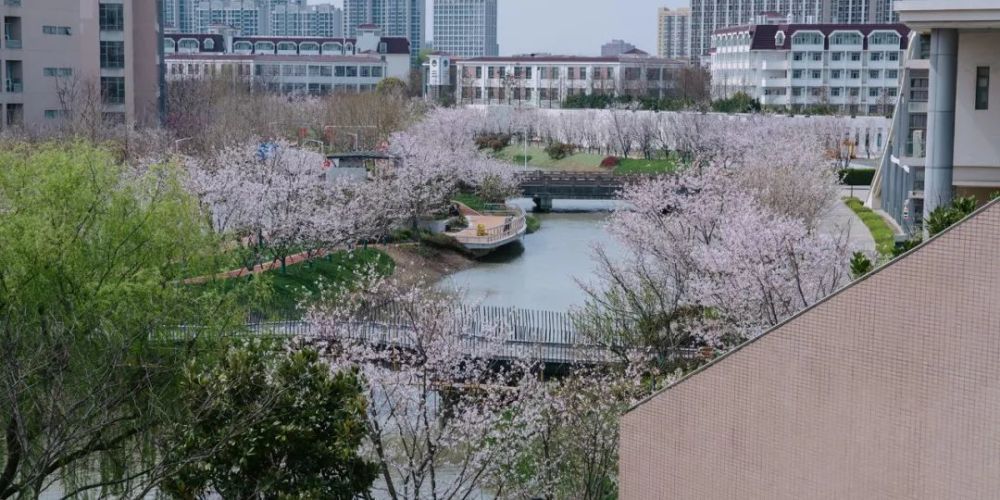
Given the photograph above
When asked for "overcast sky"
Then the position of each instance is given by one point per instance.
(573, 27)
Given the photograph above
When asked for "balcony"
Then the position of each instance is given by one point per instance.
(13, 86)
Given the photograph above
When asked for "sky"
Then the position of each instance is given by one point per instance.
(570, 27)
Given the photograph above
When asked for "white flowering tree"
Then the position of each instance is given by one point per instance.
(443, 418)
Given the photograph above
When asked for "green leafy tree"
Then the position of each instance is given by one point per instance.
(391, 86)
(289, 428)
(92, 255)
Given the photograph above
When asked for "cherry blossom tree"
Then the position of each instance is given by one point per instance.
(443, 419)
(275, 200)
(711, 264)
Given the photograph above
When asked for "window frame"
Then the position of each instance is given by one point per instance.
(982, 94)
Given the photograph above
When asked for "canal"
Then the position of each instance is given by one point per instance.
(541, 271)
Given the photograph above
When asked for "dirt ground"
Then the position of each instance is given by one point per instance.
(426, 265)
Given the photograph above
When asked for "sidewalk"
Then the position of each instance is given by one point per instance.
(841, 219)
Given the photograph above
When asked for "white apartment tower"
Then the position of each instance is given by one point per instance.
(707, 16)
(466, 28)
(673, 38)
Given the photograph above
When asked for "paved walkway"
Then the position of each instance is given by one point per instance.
(839, 218)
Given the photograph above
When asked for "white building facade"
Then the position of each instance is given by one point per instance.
(946, 127)
(673, 33)
(466, 28)
(708, 16)
(854, 68)
(546, 81)
(293, 65)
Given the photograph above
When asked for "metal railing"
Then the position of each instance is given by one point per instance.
(491, 332)
(14, 86)
(512, 227)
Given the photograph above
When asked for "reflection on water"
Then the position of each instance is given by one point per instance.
(539, 272)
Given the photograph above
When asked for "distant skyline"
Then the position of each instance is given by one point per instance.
(570, 27)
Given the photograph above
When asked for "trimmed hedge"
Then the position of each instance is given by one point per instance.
(857, 176)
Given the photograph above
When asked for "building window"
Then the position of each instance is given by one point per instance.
(835, 74)
(796, 56)
(836, 56)
(479, 72)
(817, 74)
(208, 44)
(855, 74)
(796, 73)
(352, 71)
(53, 114)
(366, 71)
(876, 56)
(113, 89)
(56, 30)
(982, 87)
(817, 56)
(377, 71)
(835, 92)
(873, 74)
(892, 56)
(112, 54)
(855, 56)
(892, 74)
(57, 71)
(340, 71)
(112, 17)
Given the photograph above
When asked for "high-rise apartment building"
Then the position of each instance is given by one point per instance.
(616, 48)
(861, 11)
(243, 15)
(466, 28)
(59, 58)
(710, 15)
(396, 18)
(315, 20)
(673, 33)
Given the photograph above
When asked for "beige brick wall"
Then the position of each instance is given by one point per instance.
(889, 389)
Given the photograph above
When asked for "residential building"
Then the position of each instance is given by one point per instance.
(708, 16)
(466, 28)
(299, 65)
(861, 12)
(673, 33)
(854, 68)
(396, 18)
(314, 20)
(546, 81)
(946, 126)
(616, 48)
(887, 389)
(58, 58)
(243, 15)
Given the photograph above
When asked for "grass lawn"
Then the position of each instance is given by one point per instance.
(885, 239)
(470, 200)
(301, 281)
(578, 162)
(635, 166)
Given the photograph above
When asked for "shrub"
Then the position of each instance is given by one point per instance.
(559, 150)
(610, 162)
(857, 176)
(532, 224)
(457, 224)
(496, 142)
